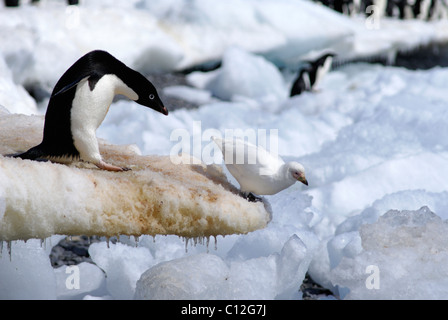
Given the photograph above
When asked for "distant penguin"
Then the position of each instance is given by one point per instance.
(302, 83)
(319, 68)
(310, 76)
(79, 103)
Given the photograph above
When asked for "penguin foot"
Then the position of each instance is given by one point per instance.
(109, 167)
(252, 198)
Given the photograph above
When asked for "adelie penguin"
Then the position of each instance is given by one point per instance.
(79, 103)
(302, 83)
(312, 74)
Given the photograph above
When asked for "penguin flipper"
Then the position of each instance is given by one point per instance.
(70, 85)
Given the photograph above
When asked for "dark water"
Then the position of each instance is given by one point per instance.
(424, 58)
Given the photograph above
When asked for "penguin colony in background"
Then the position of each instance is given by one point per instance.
(311, 74)
(402, 9)
(79, 103)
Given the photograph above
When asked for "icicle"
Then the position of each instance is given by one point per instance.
(43, 243)
(136, 239)
(216, 243)
(208, 242)
(1, 248)
(186, 244)
(107, 241)
(9, 247)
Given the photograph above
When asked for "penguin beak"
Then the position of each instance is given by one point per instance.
(160, 108)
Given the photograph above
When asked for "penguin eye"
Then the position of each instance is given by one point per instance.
(151, 96)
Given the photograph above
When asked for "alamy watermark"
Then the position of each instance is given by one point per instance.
(373, 20)
(373, 280)
(72, 282)
(191, 143)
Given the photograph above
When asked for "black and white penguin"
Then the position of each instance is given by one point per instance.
(79, 103)
(310, 75)
(302, 83)
(319, 68)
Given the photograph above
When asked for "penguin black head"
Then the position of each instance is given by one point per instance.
(147, 96)
(95, 64)
(320, 61)
(145, 90)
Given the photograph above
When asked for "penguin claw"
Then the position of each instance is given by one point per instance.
(109, 167)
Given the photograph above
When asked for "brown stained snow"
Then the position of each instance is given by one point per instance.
(155, 197)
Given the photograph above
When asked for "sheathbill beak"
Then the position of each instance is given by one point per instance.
(303, 179)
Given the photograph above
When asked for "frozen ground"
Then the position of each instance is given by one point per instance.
(371, 223)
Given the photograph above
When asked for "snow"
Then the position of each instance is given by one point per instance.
(12, 95)
(123, 266)
(92, 280)
(372, 141)
(207, 276)
(193, 95)
(402, 245)
(27, 272)
(247, 75)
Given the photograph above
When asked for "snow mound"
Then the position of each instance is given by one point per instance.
(390, 256)
(207, 276)
(13, 97)
(247, 75)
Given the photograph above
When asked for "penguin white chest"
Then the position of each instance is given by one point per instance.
(323, 70)
(89, 108)
(306, 80)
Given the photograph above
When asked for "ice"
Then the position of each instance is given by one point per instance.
(75, 282)
(407, 249)
(208, 30)
(53, 37)
(207, 276)
(13, 97)
(27, 272)
(189, 94)
(195, 277)
(244, 74)
(123, 266)
(389, 144)
(372, 139)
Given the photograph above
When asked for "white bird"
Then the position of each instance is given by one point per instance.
(257, 170)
